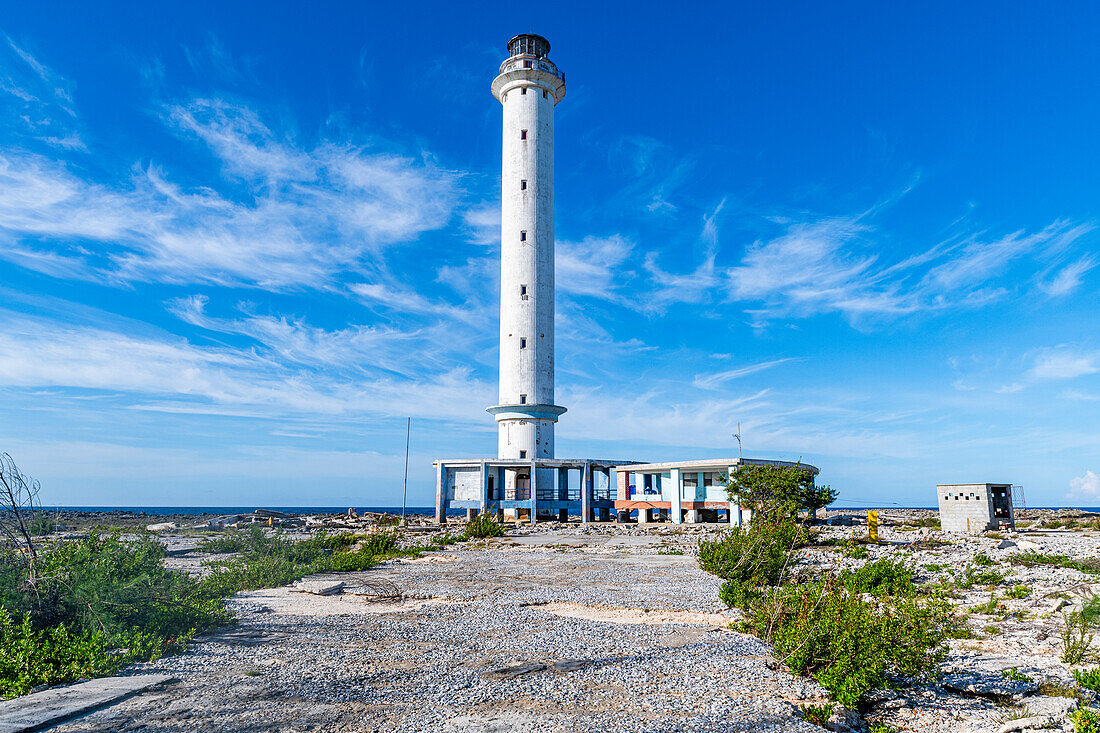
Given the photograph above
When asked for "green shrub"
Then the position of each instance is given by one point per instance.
(482, 526)
(49, 656)
(854, 550)
(1089, 679)
(1077, 635)
(1019, 592)
(102, 602)
(818, 714)
(930, 522)
(825, 631)
(41, 525)
(381, 543)
(752, 556)
(1085, 720)
(881, 578)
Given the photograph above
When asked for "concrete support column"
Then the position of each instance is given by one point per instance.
(586, 493)
(440, 494)
(693, 516)
(534, 494)
(735, 510)
(677, 490)
(484, 488)
(470, 513)
(643, 515)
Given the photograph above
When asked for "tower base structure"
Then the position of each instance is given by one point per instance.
(593, 489)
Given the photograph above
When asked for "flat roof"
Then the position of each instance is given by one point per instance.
(720, 463)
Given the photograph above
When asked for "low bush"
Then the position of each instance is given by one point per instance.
(1077, 636)
(99, 603)
(1085, 720)
(1088, 679)
(1019, 592)
(483, 526)
(818, 714)
(826, 631)
(881, 578)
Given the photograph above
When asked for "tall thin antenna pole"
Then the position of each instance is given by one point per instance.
(738, 436)
(405, 487)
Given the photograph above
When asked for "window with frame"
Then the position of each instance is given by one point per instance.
(523, 343)
(523, 134)
(523, 185)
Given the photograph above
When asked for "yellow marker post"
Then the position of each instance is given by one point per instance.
(872, 525)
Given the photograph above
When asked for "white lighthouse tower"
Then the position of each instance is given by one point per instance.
(528, 87)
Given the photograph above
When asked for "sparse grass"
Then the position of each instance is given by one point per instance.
(1031, 559)
(1019, 592)
(928, 522)
(881, 728)
(935, 567)
(982, 560)
(670, 552)
(1016, 675)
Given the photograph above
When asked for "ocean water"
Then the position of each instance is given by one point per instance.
(163, 510)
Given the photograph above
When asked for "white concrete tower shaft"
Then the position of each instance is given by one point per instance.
(528, 87)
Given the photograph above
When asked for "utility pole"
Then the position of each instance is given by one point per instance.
(738, 436)
(405, 487)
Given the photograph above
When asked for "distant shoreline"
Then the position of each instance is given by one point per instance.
(429, 510)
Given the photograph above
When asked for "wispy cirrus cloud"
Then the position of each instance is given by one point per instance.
(834, 265)
(1064, 362)
(717, 379)
(35, 101)
(306, 213)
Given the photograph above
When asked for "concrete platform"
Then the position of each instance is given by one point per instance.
(43, 709)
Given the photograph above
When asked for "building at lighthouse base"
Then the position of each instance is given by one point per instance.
(593, 489)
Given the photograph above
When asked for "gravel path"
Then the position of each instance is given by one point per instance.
(481, 643)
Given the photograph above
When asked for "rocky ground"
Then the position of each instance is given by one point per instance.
(608, 628)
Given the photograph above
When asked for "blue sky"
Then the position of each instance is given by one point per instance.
(238, 249)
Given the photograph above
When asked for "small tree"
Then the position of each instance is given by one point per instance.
(18, 502)
(763, 485)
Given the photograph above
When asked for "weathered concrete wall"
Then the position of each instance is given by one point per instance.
(965, 508)
(464, 484)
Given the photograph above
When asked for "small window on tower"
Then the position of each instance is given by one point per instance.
(523, 343)
(523, 134)
(523, 290)
(523, 454)
(523, 236)
(544, 94)
(527, 64)
(523, 185)
(523, 399)
(523, 90)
